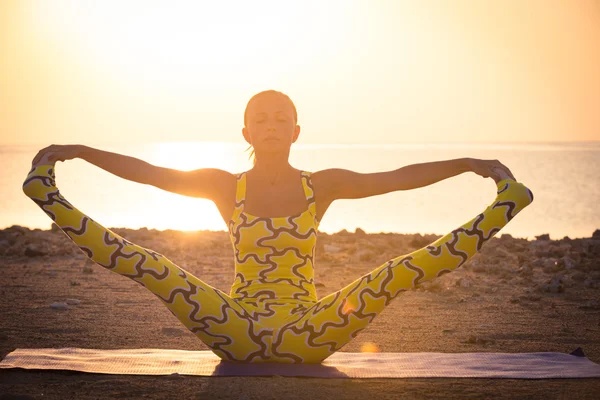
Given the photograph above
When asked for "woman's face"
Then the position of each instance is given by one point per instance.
(271, 125)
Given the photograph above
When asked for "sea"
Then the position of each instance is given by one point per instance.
(563, 176)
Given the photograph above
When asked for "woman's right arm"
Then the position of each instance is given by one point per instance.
(208, 183)
(126, 167)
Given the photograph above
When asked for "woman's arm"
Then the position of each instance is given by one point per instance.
(346, 184)
(418, 175)
(126, 167)
(208, 183)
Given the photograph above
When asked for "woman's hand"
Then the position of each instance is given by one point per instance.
(52, 154)
(490, 169)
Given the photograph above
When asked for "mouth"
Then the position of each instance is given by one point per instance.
(271, 139)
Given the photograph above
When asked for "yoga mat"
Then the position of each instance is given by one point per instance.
(339, 365)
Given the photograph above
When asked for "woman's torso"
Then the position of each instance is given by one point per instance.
(274, 251)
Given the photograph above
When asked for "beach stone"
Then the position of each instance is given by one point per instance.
(525, 270)
(555, 285)
(538, 262)
(591, 305)
(59, 306)
(364, 255)
(464, 282)
(551, 265)
(545, 236)
(17, 229)
(360, 232)
(34, 251)
(590, 283)
(579, 276)
(596, 234)
(479, 340)
(490, 290)
(567, 262)
(73, 301)
(419, 241)
(331, 249)
(530, 297)
(173, 332)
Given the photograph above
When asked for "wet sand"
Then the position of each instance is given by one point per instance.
(515, 295)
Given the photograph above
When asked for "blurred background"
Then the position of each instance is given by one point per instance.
(378, 84)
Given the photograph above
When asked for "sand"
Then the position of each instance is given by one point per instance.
(516, 295)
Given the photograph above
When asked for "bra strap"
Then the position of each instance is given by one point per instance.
(309, 192)
(240, 194)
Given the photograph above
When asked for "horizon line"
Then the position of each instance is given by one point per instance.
(553, 142)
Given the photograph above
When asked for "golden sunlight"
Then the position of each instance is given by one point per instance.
(187, 213)
(169, 44)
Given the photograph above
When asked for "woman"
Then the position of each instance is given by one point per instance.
(273, 212)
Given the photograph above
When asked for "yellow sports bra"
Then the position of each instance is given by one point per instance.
(274, 256)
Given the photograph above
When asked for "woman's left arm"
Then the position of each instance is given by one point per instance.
(345, 184)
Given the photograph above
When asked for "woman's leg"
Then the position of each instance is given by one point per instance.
(218, 320)
(337, 318)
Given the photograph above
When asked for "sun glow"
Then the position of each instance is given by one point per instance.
(185, 46)
(187, 213)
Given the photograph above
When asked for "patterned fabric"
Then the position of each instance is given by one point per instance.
(274, 257)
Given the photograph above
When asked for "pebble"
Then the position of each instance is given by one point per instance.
(479, 340)
(59, 306)
(464, 282)
(525, 270)
(568, 262)
(331, 249)
(34, 251)
(530, 297)
(590, 283)
(579, 276)
(173, 332)
(555, 285)
(551, 265)
(364, 255)
(73, 301)
(591, 305)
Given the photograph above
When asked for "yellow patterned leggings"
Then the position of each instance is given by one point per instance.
(232, 329)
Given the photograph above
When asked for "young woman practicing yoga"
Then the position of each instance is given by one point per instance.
(273, 212)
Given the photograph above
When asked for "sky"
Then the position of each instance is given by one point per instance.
(372, 71)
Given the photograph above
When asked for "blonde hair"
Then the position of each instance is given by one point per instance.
(246, 114)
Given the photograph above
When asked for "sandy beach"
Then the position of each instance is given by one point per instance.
(515, 295)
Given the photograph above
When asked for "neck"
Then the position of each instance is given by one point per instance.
(272, 168)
